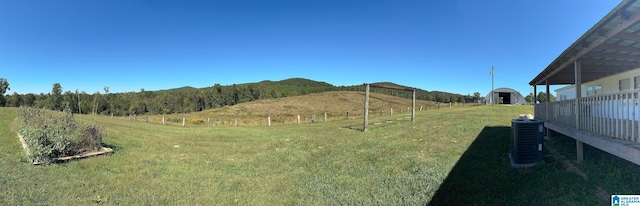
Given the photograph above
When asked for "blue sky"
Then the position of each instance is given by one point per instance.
(433, 45)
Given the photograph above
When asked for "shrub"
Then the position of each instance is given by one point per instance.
(56, 134)
(196, 121)
(90, 138)
(175, 119)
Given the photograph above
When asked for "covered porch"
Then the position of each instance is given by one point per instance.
(608, 121)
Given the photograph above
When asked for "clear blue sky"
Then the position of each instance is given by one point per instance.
(433, 45)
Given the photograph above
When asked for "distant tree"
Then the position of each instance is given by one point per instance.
(542, 97)
(28, 100)
(14, 100)
(85, 102)
(138, 103)
(137, 107)
(429, 97)
(528, 98)
(107, 103)
(56, 97)
(461, 99)
(70, 101)
(476, 96)
(4, 86)
(41, 100)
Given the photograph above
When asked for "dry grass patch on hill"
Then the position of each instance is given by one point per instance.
(285, 110)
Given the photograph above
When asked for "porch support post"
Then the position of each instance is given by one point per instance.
(535, 103)
(535, 96)
(546, 103)
(578, 83)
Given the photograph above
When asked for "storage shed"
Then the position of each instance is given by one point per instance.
(505, 96)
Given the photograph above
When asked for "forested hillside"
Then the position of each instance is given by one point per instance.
(189, 99)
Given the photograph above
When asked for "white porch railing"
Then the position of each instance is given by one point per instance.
(614, 115)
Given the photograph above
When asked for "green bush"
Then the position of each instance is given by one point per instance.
(196, 121)
(175, 119)
(56, 134)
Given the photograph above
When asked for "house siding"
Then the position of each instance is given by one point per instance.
(565, 93)
(610, 84)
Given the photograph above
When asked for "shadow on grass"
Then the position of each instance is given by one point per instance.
(484, 176)
(613, 174)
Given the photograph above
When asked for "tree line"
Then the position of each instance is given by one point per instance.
(541, 97)
(188, 99)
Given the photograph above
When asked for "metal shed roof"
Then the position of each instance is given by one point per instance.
(519, 99)
(609, 47)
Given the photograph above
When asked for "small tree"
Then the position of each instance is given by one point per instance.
(528, 98)
(476, 96)
(56, 97)
(14, 100)
(542, 97)
(4, 86)
(107, 103)
(28, 100)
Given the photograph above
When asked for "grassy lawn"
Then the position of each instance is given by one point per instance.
(447, 156)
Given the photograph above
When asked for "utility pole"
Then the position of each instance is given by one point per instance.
(492, 98)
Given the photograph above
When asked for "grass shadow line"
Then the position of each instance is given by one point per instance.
(476, 177)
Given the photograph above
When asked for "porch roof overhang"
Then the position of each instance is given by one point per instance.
(611, 46)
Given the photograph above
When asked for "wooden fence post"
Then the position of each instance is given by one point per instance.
(236, 122)
(365, 123)
(269, 120)
(391, 110)
(325, 117)
(162, 120)
(347, 115)
(298, 119)
(183, 120)
(112, 115)
(134, 117)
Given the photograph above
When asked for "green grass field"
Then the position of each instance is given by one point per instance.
(447, 156)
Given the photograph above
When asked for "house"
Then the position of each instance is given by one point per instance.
(566, 93)
(602, 68)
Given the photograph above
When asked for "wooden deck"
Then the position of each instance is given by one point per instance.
(624, 149)
(608, 122)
